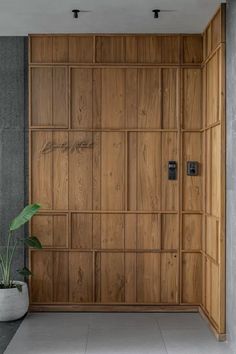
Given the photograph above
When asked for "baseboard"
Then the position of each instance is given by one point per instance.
(221, 337)
(111, 308)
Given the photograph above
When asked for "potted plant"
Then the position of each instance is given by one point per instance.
(14, 298)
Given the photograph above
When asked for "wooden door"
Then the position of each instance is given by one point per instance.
(115, 229)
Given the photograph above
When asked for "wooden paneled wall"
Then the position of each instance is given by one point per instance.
(107, 113)
(213, 247)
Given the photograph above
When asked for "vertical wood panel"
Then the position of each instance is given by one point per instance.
(169, 188)
(149, 49)
(81, 49)
(112, 231)
(41, 49)
(192, 278)
(192, 232)
(82, 231)
(149, 171)
(192, 185)
(42, 226)
(42, 281)
(192, 48)
(41, 96)
(169, 278)
(112, 277)
(112, 167)
(170, 49)
(80, 172)
(110, 49)
(169, 231)
(60, 97)
(41, 170)
(81, 98)
(148, 231)
(130, 277)
(60, 170)
(192, 103)
(60, 49)
(81, 277)
(170, 98)
(148, 277)
(212, 106)
(216, 173)
(60, 276)
(113, 110)
(149, 98)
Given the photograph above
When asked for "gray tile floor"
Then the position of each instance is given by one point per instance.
(108, 333)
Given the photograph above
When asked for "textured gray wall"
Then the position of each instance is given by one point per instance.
(231, 170)
(13, 135)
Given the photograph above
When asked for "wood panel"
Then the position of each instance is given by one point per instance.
(192, 278)
(113, 111)
(149, 98)
(192, 232)
(169, 188)
(214, 220)
(41, 49)
(80, 179)
(80, 49)
(49, 96)
(170, 99)
(192, 103)
(169, 232)
(110, 49)
(169, 278)
(148, 233)
(148, 277)
(52, 230)
(42, 281)
(192, 185)
(81, 98)
(112, 167)
(149, 171)
(60, 277)
(41, 170)
(112, 277)
(117, 230)
(212, 79)
(81, 277)
(192, 49)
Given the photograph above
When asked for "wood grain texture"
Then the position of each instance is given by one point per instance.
(118, 231)
(192, 49)
(80, 277)
(192, 278)
(192, 185)
(81, 98)
(148, 277)
(192, 232)
(192, 99)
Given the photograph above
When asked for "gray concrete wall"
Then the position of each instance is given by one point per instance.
(13, 136)
(231, 170)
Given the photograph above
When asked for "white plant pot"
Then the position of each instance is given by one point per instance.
(13, 303)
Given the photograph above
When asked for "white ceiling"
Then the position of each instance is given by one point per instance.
(20, 17)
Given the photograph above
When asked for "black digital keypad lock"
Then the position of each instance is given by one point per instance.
(192, 168)
(172, 170)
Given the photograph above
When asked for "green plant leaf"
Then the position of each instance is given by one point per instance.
(19, 287)
(33, 242)
(24, 271)
(24, 216)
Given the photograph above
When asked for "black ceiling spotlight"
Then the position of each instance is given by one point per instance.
(156, 13)
(76, 12)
